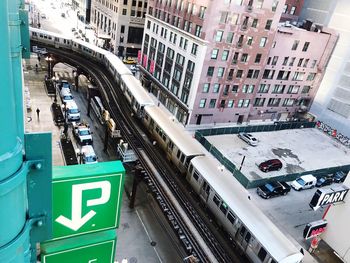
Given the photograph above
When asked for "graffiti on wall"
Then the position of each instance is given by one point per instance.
(333, 133)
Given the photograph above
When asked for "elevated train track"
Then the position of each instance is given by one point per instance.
(121, 113)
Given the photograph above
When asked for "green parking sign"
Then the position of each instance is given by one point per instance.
(90, 248)
(86, 198)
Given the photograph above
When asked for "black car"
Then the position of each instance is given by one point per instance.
(339, 177)
(273, 189)
(324, 180)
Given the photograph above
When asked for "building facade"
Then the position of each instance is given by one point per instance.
(332, 102)
(122, 21)
(224, 62)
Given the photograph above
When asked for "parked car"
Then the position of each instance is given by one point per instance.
(339, 177)
(270, 165)
(248, 138)
(273, 189)
(304, 182)
(88, 154)
(324, 180)
(129, 60)
(82, 133)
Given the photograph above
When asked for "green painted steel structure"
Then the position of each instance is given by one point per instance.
(25, 212)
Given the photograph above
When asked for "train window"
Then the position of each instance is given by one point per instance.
(57, 39)
(216, 200)
(231, 217)
(195, 176)
(146, 117)
(49, 37)
(190, 169)
(247, 237)
(262, 254)
(182, 159)
(223, 207)
(178, 154)
(242, 231)
(157, 129)
(171, 145)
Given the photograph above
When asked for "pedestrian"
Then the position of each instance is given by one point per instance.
(36, 67)
(37, 113)
(39, 58)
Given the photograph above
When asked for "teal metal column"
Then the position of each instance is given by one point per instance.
(25, 172)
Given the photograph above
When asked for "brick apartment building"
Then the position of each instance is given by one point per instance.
(232, 61)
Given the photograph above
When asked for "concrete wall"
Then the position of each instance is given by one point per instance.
(338, 230)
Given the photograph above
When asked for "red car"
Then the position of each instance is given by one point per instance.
(270, 165)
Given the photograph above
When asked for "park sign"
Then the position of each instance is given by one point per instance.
(314, 229)
(86, 198)
(328, 196)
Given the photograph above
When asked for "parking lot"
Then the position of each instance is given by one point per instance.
(299, 150)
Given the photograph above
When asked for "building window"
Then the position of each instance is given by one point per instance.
(258, 58)
(278, 89)
(268, 24)
(249, 41)
(255, 23)
(274, 5)
(221, 71)
(285, 61)
(292, 10)
(291, 62)
(230, 104)
(306, 89)
(216, 88)
(239, 73)
(288, 102)
(214, 53)
(224, 55)
(306, 46)
(223, 17)
(206, 87)
(313, 64)
(285, 9)
(244, 57)
(300, 62)
(212, 103)
(264, 88)
(124, 12)
(198, 31)
(293, 89)
(268, 74)
(235, 58)
(230, 74)
(274, 61)
(248, 88)
(283, 75)
(194, 49)
(218, 36)
(202, 103)
(311, 76)
(210, 72)
(180, 60)
(234, 88)
(243, 103)
(125, 2)
(274, 102)
(190, 66)
(305, 63)
(295, 44)
(259, 102)
(201, 12)
(298, 76)
(229, 37)
(263, 42)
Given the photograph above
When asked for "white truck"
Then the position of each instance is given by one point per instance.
(82, 133)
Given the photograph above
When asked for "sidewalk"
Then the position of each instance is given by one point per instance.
(39, 99)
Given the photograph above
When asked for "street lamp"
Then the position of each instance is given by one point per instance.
(49, 68)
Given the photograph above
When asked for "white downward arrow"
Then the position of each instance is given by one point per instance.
(77, 220)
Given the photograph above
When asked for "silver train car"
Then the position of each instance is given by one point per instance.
(250, 229)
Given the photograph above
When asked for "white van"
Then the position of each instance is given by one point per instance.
(304, 182)
(88, 154)
(73, 112)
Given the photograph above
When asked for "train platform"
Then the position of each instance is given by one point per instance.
(141, 236)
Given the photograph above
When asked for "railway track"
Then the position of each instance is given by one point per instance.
(121, 113)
